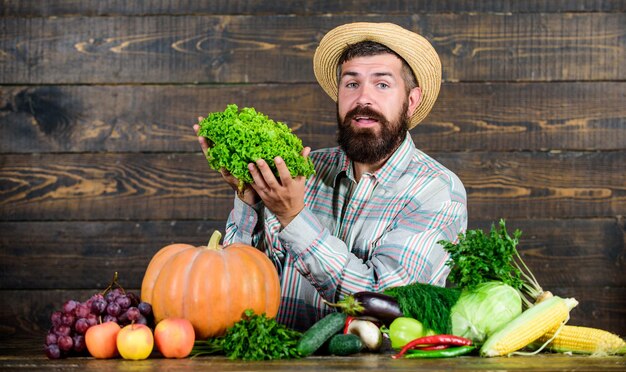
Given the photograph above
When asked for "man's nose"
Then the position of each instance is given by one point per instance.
(365, 96)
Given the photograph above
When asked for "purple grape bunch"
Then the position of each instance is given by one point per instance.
(66, 336)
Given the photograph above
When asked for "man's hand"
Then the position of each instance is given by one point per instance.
(283, 196)
(248, 195)
(204, 144)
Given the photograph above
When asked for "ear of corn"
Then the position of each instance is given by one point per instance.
(528, 326)
(582, 340)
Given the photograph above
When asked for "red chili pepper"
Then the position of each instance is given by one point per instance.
(349, 320)
(449, 340)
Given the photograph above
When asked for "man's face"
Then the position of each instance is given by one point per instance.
(372, 107)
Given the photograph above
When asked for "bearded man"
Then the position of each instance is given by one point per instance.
(371, 216)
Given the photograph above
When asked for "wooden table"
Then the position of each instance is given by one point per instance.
(27, 355)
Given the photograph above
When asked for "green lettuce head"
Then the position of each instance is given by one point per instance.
(481, 311)
(242, 137)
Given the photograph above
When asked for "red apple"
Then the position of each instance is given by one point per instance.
(101, 340)
(174, 337)
(135, 341)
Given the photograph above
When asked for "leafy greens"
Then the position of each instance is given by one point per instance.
(478, 258)
(242, 137)
(482, 310)
(254, 337)
(430, 304)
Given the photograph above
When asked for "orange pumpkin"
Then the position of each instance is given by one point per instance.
(210, 286)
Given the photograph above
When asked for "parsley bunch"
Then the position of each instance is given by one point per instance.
(254, 337)
(242, 137)
(479, 257)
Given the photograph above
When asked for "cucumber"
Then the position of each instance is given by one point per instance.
(347, 344)
(320, 332)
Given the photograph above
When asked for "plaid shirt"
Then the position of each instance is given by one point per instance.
(380, 232)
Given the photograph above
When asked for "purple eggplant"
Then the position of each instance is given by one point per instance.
(370, 304)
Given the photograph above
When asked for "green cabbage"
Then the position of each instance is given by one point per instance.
(242, 137)
(481, 311)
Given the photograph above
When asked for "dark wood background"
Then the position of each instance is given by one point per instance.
(99, 167)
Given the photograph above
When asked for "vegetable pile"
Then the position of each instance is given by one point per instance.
(497, 306)
(486, 297)
(491, 282)
(242, 137)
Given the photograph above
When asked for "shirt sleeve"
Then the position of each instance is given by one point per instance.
(244, 224)
(408, 252)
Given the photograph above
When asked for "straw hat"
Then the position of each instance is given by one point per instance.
(414, 48)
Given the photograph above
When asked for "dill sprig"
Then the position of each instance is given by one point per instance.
(428, 303)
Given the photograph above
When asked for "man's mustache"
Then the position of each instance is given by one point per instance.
(365, 111)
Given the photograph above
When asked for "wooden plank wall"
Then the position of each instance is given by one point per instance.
(99, 167)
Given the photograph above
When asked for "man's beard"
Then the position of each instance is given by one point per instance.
(363, 145)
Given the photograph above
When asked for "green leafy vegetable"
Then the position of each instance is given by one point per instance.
(478, 258)
(427, 303)
(481, 311)
(255, 337)
(242, 137)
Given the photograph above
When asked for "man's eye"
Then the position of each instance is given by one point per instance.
(383, 85)
(351, 85)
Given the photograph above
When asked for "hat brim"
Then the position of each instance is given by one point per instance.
(413, 48)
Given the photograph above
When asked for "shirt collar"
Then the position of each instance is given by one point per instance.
(344, 168)
(389, 174)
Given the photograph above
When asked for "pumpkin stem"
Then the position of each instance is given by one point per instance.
(214, 242)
